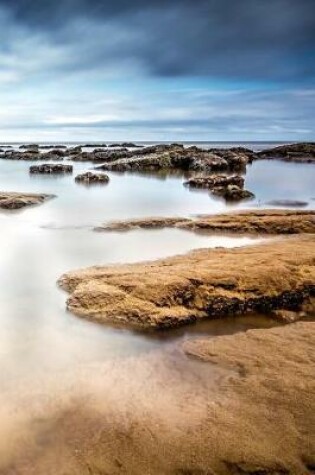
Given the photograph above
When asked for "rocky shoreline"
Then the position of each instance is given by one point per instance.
(131, 157)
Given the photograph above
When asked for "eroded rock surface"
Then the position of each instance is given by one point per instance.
(47, 168)
(175, 156)
(11, 200)
(244, 222)
(229, 187)
(89, 178)
(32, 155)
(207, 283)
(299, 152)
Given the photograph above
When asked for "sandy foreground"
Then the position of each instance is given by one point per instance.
(239, 404)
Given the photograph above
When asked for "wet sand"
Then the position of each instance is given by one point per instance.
(226, 409)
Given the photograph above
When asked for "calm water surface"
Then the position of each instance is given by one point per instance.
(39, 244)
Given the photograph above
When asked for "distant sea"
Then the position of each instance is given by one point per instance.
(253, 145)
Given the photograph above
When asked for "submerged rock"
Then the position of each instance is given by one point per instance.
(11, 200)
(231, 188)
(90, 178)
(298, 152)
(288, 203)
(244, 222)
(51, 168)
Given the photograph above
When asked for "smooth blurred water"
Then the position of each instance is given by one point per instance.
(39, 244)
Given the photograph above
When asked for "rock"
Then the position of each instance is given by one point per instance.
(231, 188)
(298, 152)
(31, 148)
(233, 193)
(288, 316)
(44, 147)
(288, 203)
(94, 145)
(53, 168)
(245, 222)
(146, 223)
(214, 181)
(177, 157)
(90, 178)
(32, 155)
(124, 145)
(74, 150)
(11, 200)
(208, 283)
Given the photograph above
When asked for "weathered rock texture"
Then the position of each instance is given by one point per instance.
(33, 154)
(54, 168)
(202, 284)
(89, 178)
(229, 187)
(177, 157)
(299, 152)
(245, 222)
(11, 200)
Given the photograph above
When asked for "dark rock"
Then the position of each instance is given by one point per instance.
(214, 181)
(90, 178)
(74, 150)
(177, 157)
(33, 155)
(289, 203)
(33, 148)
(231, 188)
(298, 152)
(44, 147)
(53, 168)
(125, 145)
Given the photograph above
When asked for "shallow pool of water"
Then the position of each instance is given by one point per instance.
(39, 244)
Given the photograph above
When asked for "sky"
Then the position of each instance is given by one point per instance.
(212, 70)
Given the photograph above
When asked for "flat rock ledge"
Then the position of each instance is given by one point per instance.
(245, 222)
(90, 178)
(208, 283)
(229, 187)
(48, 168)
(11, 200)
(268, 403)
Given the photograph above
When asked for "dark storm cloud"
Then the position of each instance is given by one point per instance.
(245, 39)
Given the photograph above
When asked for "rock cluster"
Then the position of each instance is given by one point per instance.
(177, 157)
(299, 152)
(11, 200)
(51, 168)
(231, 188)
(90, 178)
